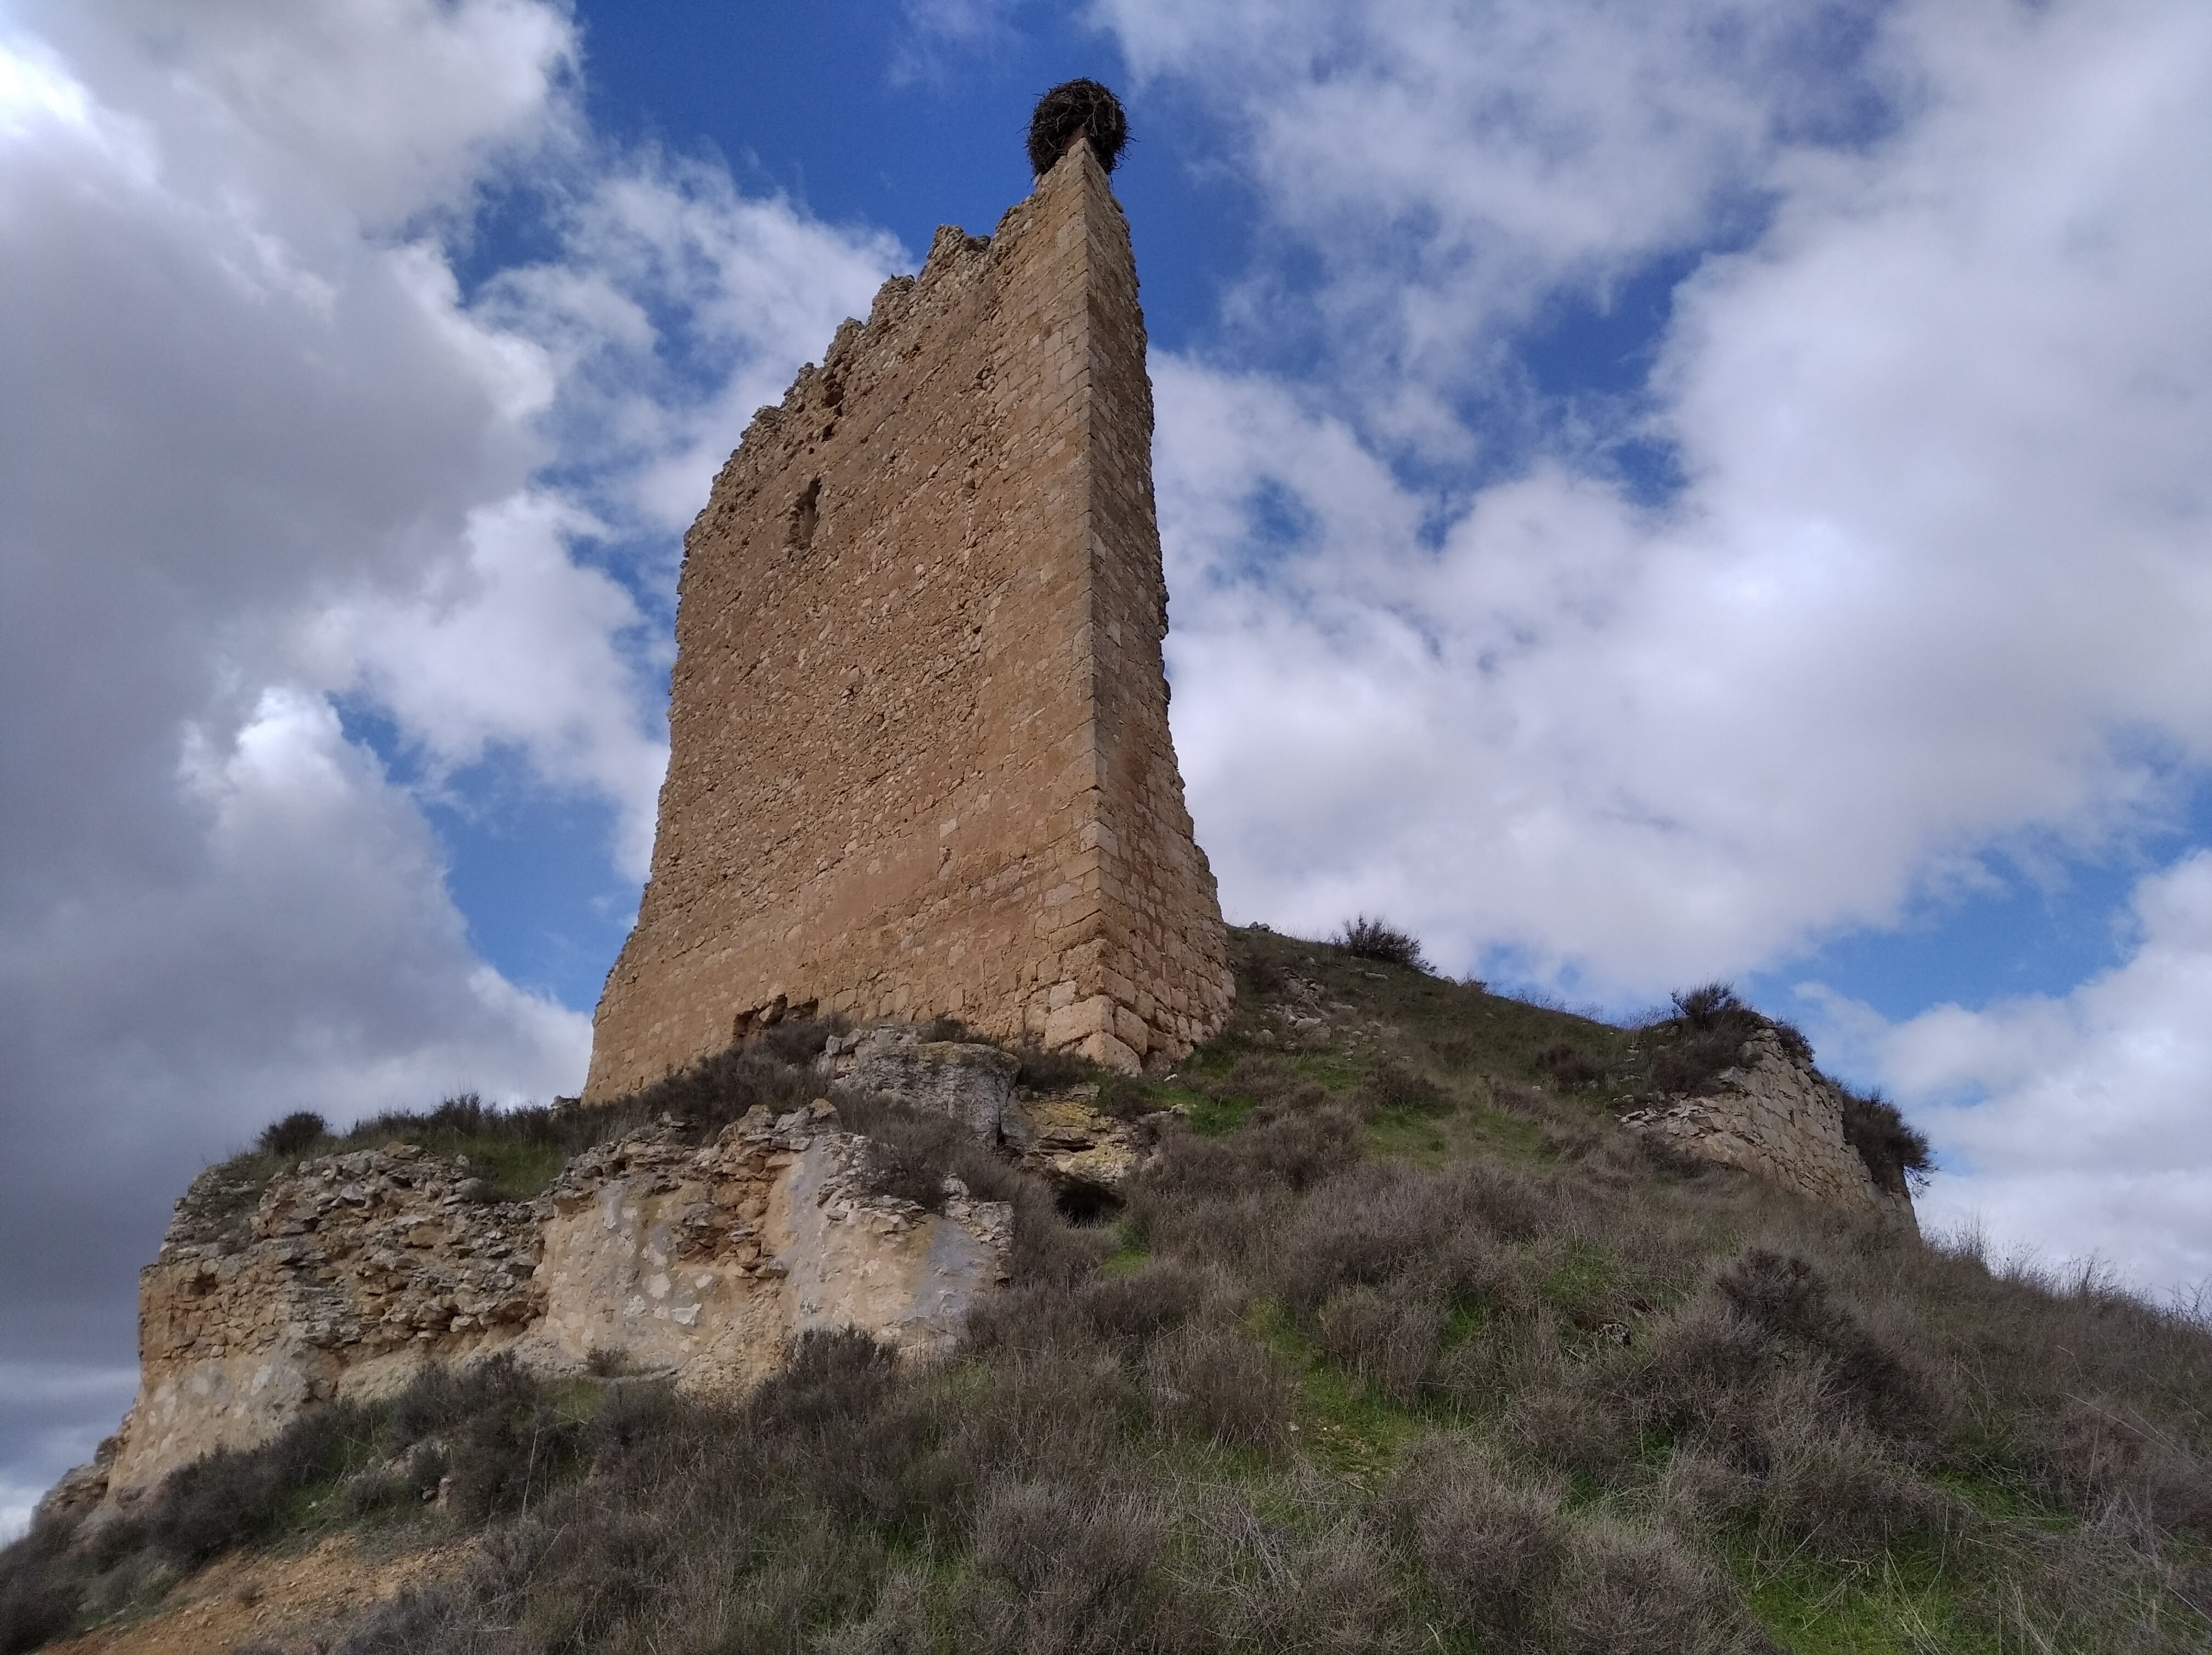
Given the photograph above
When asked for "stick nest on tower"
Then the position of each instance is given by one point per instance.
(1075, 107)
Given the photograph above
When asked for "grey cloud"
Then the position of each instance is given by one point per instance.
(258, 450)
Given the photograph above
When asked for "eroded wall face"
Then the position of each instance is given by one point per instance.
(701, 1262)
(1777, 1118)
(919, 760)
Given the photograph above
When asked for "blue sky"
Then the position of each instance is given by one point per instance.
(1651, 492)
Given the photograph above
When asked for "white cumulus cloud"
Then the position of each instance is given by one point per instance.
(267, 456)
(1932, 589)
(2073, 1126)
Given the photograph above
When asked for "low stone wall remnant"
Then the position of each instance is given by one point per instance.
(1777, 1119)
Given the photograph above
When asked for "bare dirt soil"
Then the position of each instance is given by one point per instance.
(246, 1599)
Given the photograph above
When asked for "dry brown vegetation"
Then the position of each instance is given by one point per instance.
(1399, 1344)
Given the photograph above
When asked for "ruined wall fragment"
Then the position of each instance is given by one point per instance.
(701, 1262)
(1780, 1120)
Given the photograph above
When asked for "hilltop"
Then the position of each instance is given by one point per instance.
(1385, 1334)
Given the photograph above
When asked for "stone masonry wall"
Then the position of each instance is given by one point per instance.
(919, 759)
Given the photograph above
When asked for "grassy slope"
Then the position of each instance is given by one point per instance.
(1398, 1347)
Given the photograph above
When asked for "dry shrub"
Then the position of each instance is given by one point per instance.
(1493, 1548)
(40, 1594)
(1232, 1231)
(444, 1618)
(1644, 1592)
(2100, 1585)
(1337, 1593)
(1706, 1007)
(1380, 1223)
(1293, 1149)
(1692, 1061)
(1264, 974)
(1030, 1319)
(1513, 1572)
(1074, 1564)
(1688, 1381)
(1378, 940)
(1058, 1409)
(2095, 1452)
(773, 1068)
(838, 1412)
(590, 1575)
(294, 1135)
(1788, 1298)
(1211, 1378)
(378, 1489)
(503, 1457)
(1394, 1085)
(1511, 1359)
(911, 1152)
(1569, 1067)
(1457, 1051)
(1572, 1133)
(1052, 1071)
(1262, 1080)
(1389, 1339)
(236, 1496)
(441, 1397)
(1706, 1036)
(1369, 1225)
(1834, 1487)
(1131, 1309)
(1792, 1039)
(899, 1622)
(1896, 1154)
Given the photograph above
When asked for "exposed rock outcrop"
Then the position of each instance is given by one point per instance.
(1059, 1136)
(1779, 1119)
(967, 1080)
(701, 1262)
(704, 1263)
(349, 1271)
(1071, 1145)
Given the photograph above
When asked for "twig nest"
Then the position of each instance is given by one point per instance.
(1074, 106)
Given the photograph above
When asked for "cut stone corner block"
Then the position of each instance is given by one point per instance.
(1108, 1033)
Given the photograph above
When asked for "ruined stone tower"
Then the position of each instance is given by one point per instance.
(919, 760)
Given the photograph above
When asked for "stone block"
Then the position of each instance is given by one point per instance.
(1071, 1025)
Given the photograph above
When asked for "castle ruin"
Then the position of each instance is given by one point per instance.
(920, 762)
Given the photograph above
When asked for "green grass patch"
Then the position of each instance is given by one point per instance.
(1216, 1117)
(1343, 1427)
(515, 1171)
(2002, 1498)
(1181, 1098)
(1517, 1134)
(1583, 1282)
(1892, 1605)
(1337, 1071)
(1408, 1135)
(1466, 1322)
(1130, 1255)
